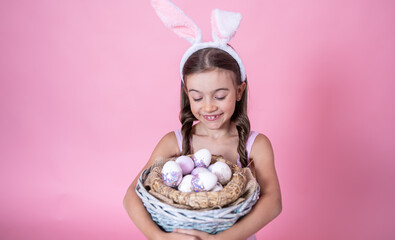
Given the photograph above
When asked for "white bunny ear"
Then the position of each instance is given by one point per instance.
(175, 19)
(224, 24)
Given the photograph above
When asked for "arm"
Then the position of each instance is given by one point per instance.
(269, 204)
(167, 147)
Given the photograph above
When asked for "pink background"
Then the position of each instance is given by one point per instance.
(87, 88)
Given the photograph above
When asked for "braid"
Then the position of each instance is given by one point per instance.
(242, 123)
(186, 119)
(243, 128)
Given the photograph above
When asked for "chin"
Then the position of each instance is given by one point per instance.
(214, 126)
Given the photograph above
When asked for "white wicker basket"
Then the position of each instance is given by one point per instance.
(211, 221)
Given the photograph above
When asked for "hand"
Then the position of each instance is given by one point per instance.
(178, 236)
(195, 234)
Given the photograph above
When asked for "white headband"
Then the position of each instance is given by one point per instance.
(223, 23)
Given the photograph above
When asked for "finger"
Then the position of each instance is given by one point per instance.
(191, 232)
(183, 236)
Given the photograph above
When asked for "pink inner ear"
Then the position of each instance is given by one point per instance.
(184, 32)
(214, 26)
(175, 19)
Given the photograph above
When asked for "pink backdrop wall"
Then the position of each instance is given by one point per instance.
(87, 88)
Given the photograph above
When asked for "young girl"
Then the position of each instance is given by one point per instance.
(213, 116)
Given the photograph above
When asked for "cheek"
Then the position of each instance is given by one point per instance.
(229, 106)
(193, 106)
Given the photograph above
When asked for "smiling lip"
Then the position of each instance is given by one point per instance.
(211, 117)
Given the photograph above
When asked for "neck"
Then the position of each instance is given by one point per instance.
(225, 130)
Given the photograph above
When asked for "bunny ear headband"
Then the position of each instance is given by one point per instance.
(223, 23)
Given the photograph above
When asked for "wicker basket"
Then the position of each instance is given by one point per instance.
(170, 216)
(197, 200)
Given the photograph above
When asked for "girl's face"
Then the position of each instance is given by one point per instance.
(213, 96)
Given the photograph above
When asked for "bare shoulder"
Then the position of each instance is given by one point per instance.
(169, 140)
(166, 147)
(263, 159)
(262, 149)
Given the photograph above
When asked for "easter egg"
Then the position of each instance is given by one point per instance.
(186, 184)
(171, 174)
(202, 158)
(199, 170)
(222, 171)
(218, 187)
(186, 163)
(204, 181)
(210, 167)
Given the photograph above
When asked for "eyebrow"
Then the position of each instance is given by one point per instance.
(216, 90)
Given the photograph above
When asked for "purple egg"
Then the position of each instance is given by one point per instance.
(186, 164)
(199, 170)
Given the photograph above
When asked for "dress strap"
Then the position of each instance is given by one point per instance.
(179, 138)
(250, 142)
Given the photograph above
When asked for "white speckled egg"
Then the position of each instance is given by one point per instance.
(186, 184)
(204, 181)
(199, 170)
(186, 163)
(210, 167)
(223, 172)
(202, 158)
(171, 174)
(218, 187)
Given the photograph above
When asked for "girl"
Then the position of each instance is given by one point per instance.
(214, 95)
(213, 116)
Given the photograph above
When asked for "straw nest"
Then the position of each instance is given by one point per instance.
(229, 195)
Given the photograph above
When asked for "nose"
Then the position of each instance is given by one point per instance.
(209, 106)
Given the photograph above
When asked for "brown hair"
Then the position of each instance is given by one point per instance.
(204, 60)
